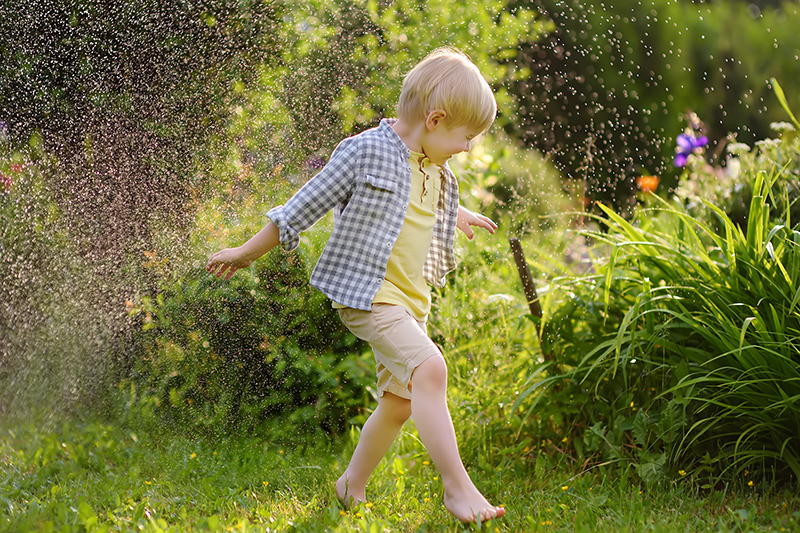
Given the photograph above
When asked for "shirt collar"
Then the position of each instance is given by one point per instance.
(386, 128)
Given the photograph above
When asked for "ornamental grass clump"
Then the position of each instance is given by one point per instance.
(683, 346)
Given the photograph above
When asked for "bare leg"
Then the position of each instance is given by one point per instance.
(377, 436)
(435, 426)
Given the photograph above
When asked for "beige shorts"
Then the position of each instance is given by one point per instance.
(399, 341)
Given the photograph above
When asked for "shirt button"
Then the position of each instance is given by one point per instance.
(405, 206)
(389, 244)
(378, 280)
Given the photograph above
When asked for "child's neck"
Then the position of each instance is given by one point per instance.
(410, 134)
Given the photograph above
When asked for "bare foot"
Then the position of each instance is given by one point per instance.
(348, 494)
(469, 505)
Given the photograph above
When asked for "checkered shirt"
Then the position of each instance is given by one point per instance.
(367, 183)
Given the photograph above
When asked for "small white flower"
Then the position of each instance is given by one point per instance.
(781, 127)
(499, 298)
(733, 168)
(738, 148)
(767, 143)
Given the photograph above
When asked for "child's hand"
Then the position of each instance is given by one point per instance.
(227, 262)
(467, 218)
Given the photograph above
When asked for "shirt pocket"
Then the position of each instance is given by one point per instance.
(380, 183)
(375, 195)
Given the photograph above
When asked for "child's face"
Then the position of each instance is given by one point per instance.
(441, 143)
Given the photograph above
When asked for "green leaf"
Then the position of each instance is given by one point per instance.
(747, 322)
(594, 437)
(625, 423)
(640, 431)
(795, 300)
(652, 472)
(33, 509)
(782, 99)
(86, 514)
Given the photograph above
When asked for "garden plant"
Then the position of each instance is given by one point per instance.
(681, 341)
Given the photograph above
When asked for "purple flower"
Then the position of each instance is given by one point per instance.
(688, 143)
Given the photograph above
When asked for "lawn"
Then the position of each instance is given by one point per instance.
(90, 476)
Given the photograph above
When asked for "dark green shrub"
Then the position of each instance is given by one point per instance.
(222, 356)
(610, 83)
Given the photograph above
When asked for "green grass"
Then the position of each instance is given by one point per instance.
(99, 477)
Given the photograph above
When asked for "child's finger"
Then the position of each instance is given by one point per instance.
(487, 224)
(219, 269)
(213, 263)
(213, 266)
(490, 222)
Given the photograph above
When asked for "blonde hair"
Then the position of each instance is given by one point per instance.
(446, 79)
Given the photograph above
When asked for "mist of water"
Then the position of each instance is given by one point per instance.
(114, 118)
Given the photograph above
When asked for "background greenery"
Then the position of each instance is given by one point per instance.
(610, 85)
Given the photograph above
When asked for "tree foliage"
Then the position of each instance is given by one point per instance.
(611, 84)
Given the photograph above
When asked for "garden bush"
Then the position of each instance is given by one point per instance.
(105, 110)
(226, 355)
(679, 352)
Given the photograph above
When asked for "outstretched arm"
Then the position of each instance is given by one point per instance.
(229, 260)
(467, 218)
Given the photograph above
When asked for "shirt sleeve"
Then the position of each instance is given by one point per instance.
(332, 186)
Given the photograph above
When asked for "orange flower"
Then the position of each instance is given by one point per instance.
(647, 184)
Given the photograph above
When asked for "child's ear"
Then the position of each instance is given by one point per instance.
(435, 118)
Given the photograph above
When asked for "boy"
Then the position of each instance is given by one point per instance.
(395, 205)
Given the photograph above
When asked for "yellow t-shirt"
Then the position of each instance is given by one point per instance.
(403, 283)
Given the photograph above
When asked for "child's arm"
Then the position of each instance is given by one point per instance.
(328, 188)
(467, 218)
(229, 260)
